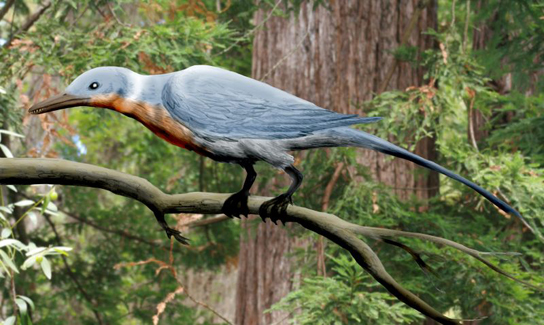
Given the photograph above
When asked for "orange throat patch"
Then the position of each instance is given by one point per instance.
(155, 117)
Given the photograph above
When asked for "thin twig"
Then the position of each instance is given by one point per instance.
(198, 302)
(110, 7)
(407, 32)
(452, 13)
(12, 292)
(5, 8)
(29, 22)
(71, 274)
(467, 20)
(321, 267)
(246, 35)
(122, 233)
(471, 123)
(330, 186)
(299, 44)
(208, 221)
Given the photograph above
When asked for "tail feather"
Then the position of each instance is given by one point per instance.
(365, 140)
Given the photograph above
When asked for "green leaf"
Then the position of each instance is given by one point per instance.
(28, 301)
(12, 133)
(46, 267)
(45, 204)
(7, 260)
(11, 187)
(6, 210)
(10, 320)
(13, 242)
(22, 305)
(6, 232)
(6, 151)
(24, 203)
(29, 262)
(35, 251)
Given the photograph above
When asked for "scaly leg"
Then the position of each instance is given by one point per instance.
(236, 204)
(276, 208)
(170, 231)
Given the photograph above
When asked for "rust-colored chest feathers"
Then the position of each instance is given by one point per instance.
(155, 117)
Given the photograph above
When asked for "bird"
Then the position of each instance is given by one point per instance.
(235, 119)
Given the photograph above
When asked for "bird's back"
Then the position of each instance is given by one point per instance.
(214, 102)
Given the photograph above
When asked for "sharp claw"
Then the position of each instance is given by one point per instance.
(275, 209)
(236, 205)
(177, 235)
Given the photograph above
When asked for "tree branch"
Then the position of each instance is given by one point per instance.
(27, 171)
(5, 8)
(29, 22)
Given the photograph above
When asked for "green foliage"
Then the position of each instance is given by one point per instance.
(17, 259)
(162, 36)
(350, 296)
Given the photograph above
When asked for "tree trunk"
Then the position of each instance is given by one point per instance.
(336, 56)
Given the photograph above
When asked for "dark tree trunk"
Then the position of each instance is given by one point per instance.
(336, 57)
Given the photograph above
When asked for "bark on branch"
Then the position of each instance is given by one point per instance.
(26, 171)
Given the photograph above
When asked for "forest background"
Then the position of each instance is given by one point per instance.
(458, 82)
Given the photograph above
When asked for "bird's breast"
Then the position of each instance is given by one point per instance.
(155, 117)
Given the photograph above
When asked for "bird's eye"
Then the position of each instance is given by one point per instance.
(94, 85)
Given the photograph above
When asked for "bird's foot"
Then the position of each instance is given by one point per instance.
(276, 209)
(169, 231)
(177, 235)
(236, 205)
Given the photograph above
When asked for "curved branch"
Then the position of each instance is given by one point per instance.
(26, 171)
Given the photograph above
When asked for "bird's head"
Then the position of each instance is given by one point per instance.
(99, 87)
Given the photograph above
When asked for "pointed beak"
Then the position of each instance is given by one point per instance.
(59, 102)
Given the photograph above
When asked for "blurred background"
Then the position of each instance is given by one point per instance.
(456, 81)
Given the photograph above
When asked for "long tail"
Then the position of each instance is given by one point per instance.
(352, 137)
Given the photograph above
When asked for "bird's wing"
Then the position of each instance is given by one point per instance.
(214, 102)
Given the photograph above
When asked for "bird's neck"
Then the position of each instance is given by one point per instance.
(146, 89)
(140, 91)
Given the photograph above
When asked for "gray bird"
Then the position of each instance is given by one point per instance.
(235, 119)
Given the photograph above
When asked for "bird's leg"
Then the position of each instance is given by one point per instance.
(236, 204)
(276, 209)
(169, 231)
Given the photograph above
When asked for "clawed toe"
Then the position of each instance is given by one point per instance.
(177, 235)
(275, 209)
(236, 205)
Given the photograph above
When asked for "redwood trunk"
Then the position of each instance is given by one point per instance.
(336, 57)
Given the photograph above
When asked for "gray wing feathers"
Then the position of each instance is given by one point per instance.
(218, 103)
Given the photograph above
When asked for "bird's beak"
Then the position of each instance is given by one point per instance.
(59, 102)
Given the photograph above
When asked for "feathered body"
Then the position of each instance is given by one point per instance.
(231, 118)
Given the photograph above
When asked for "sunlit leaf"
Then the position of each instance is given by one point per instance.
(12, 133)
(21, 304)
(6, 210)
(8, 261)
(10, 320)
(12, 242)
(6, 151)
(24, 203)
(46, 267)
(35, 251)
(28, 301)
(6, 232)
(28, 262)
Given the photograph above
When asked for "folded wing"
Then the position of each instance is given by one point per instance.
(217, 103)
